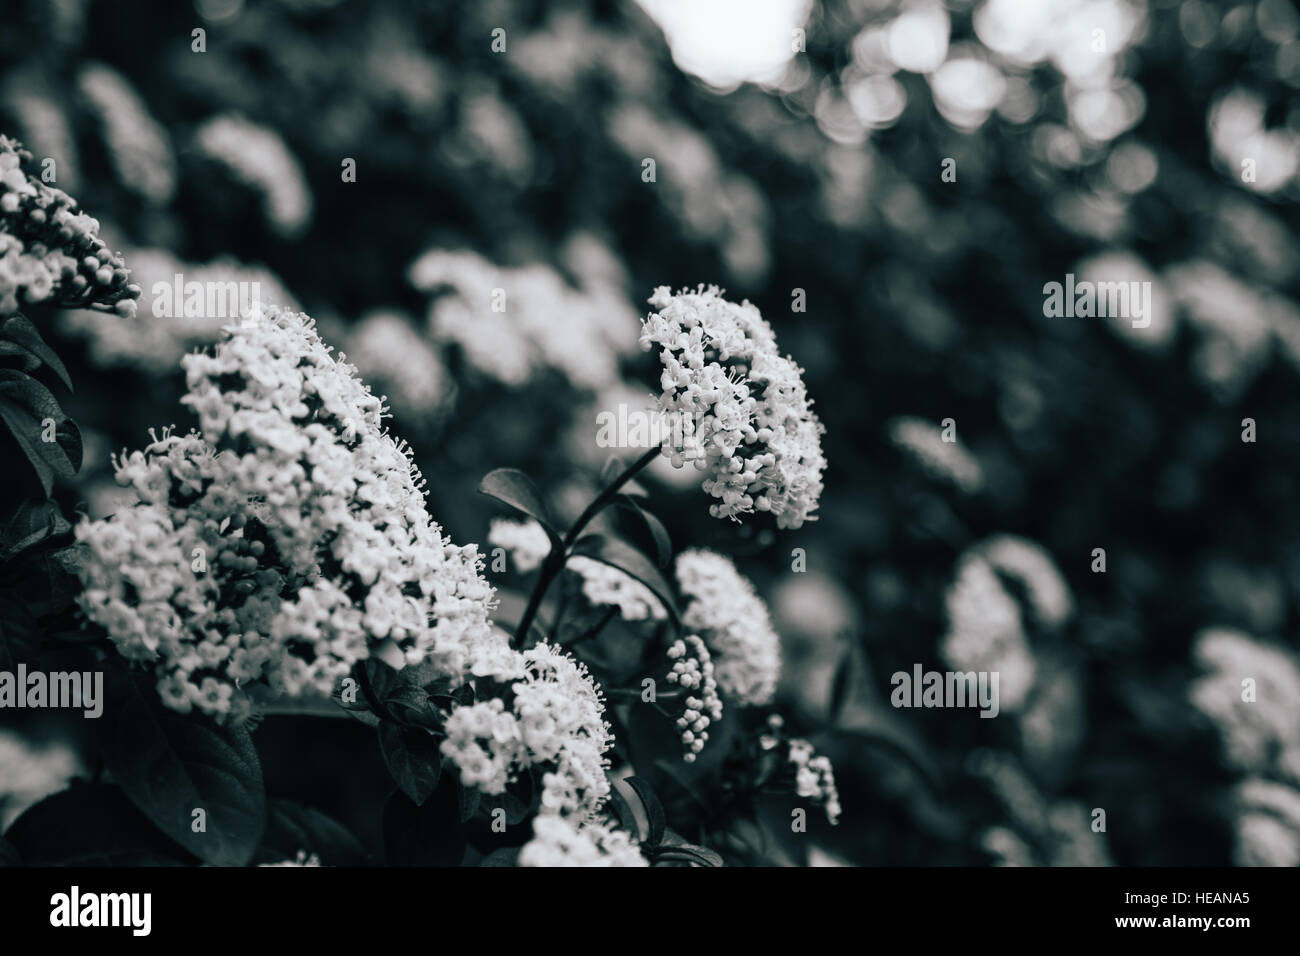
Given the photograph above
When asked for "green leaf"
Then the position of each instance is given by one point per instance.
(413, 759)
(25, 406)
(663, 543)
(621, 555)
(19, 337)
(520, 492)
(654, 810)
(292, 827)
(91, 825)
(170, 764)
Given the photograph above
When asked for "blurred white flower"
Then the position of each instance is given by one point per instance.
(944, 460)
(525, 541)
(139, 147)
(258, 157)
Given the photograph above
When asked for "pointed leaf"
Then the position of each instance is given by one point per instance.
(663, 543)
(654, 810)
(170, 764)
(413, 759)
(520, 492)
(621, 555)
(292, 828)
(19, 337)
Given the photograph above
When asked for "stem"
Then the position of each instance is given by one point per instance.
(554, 563)
(595, 629)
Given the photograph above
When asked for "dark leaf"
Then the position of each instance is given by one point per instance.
(413, 759)
(663, 543)
(36, 520)
(654, 810)
(91, 825)
(626, 558)
(292, 827)
(687, 854)
(19, 636)
(9, 854)
(516, 489)
(28, 408)
(19, 337)
(505, 856)
(170, 764)
(468, 800)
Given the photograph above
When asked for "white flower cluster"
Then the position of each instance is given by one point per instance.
(48, 250)
(32, 772)
(258, 157)
(1260, 735)
(561, 842)
(1268, 823)
(986, 630)
(723, 608)
(555, 721)
(138, 145)
(753, 431)
(692, 670)
(815, 778)
(604, 585)
(166, 330)
(948, 461)
(388, 351)
(525, 541)
(513, 324)
(285, 541)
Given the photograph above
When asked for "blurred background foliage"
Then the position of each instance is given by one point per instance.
(1105, 138)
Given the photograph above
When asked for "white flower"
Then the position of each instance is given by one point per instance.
(693, 672)
(606, 586)
(526, 541)
(1268, 824)
(138, 145)
(985, 630)
(948, 461)
(560, 842)
(1262, 734)
(281, 542)
(815, 778)
(257, 156)
(725, 610)
(753, 433)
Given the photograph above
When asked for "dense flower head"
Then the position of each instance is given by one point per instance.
(748, 422)
(815, 778)
(284, 541)
(525, 541)
(558, 841)
(550, 716)
(692, 671)
(48, 250)
(1259, 735)
(722, 607)
(604, 585)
